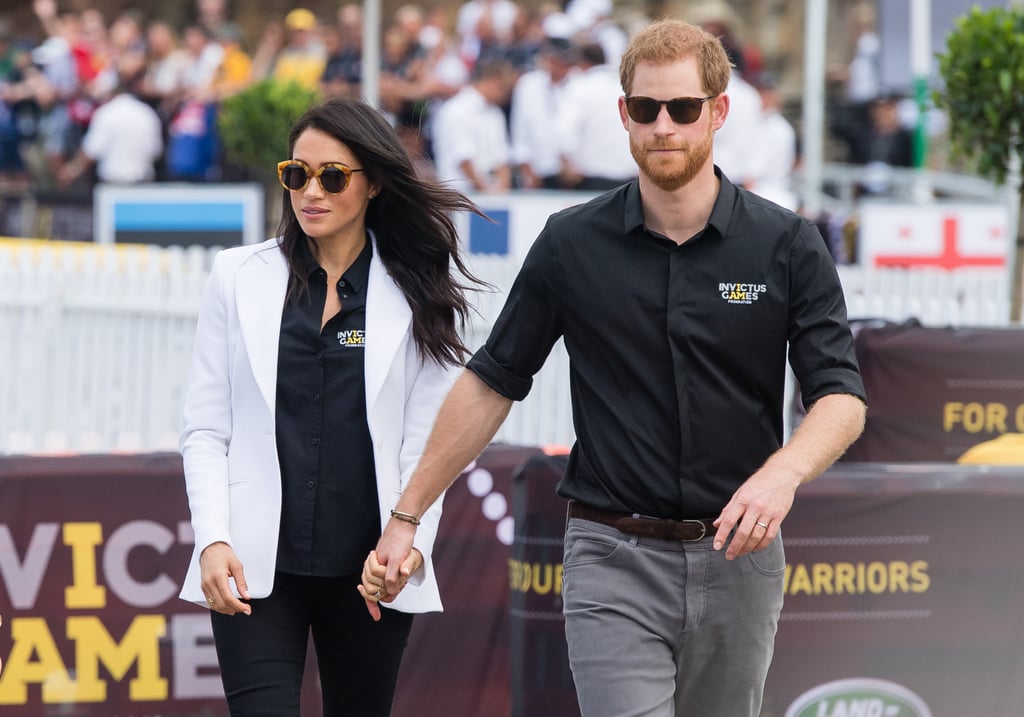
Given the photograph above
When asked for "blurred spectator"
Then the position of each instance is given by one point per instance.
(771, 169)
(342, 75)
(593, 17)
(736, 145)
(213, 15)
(163, 82)
(536, 103)
(203, 58)
(234, 73)
(124, 139)
(52, 81)
(191, 136)
(890, 143)
(18, 112)
(471, 146)
(270, 43)
(860, 82)
(304, 57)
(481, 23)
(595, 146)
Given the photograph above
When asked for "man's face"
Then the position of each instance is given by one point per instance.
(670, 154)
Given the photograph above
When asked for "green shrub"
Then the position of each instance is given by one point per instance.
(983, 71)
(254, 124)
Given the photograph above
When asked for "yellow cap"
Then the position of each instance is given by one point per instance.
(300, 19)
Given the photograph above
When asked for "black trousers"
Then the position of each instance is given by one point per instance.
(262, 656)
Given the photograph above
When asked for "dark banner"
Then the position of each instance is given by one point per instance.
(935, 392)
(903, 595)
(93, 550)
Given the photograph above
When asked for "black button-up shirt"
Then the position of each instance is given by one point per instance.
(677, 352)
(329, 510)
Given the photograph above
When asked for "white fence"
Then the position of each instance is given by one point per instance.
(95, 340)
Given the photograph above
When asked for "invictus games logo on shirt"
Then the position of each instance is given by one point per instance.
(859, 696)
(354, 339)
(741, 293)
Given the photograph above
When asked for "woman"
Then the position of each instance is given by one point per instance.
(321, 358)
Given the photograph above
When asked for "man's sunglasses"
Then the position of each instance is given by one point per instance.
(334, 177)
(682, 110)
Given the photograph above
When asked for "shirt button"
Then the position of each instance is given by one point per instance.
(341, 283)
(344, 296)
(316, 398)
(310, 483)
(315, 441)
(319, 355)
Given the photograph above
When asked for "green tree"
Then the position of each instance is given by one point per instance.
(983, 73)
(254, 126)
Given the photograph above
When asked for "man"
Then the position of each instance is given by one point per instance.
(677, 296)
(536, 102)
(595, 156)
(124, 140)
(471, 144)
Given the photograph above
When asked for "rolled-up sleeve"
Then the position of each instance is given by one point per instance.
(821, 347)
(528, 326)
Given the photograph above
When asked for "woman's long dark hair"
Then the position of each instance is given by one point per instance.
(411, 220)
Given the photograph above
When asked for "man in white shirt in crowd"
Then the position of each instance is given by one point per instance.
(595, 153)
(471, 145)
(771, 168)
(124, 140)
(536, 103)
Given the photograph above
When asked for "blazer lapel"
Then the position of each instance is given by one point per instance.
(260, 286)
(388, 318)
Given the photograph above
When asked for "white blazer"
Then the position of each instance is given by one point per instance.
(229, 447)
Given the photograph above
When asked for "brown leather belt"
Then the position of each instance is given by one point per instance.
(687, 531)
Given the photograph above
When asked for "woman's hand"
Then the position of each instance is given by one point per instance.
(217, 563)
(372, 587)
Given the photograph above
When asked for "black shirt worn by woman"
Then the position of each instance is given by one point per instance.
(329, 508)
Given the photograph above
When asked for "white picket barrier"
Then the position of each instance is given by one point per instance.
(95, 340)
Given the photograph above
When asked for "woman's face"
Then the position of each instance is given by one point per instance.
(325, 217)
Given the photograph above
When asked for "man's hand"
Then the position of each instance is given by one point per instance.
(218, 563)
(388, 568)
(756, 511)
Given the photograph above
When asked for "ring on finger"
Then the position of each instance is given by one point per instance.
(763, 525)
(379, 594)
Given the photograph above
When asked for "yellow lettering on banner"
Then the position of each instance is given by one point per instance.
(976, 417)
(919, 575)
(539, 578)
(141, 645)
(84, 592)
(822, 578)
(856, 578)
(32, 638)
(845, 574)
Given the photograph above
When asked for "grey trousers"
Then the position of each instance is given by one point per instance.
(660, 628)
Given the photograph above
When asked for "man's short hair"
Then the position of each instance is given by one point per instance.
(667, 41)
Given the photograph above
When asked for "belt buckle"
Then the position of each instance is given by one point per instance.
(703, 530)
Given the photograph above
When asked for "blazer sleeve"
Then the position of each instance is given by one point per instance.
(206, 434)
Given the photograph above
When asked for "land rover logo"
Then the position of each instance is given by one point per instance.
(861, 697)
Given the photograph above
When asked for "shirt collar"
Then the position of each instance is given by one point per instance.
(720, 212)
(356, 276)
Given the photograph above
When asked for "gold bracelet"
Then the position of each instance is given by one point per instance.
(405, 517)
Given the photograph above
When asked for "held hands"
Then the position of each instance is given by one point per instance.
(388, 568)
(217, 563)
(756, 511)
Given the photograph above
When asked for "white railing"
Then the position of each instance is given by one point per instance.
(95, 340)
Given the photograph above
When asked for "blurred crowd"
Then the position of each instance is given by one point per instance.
(489, 96)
